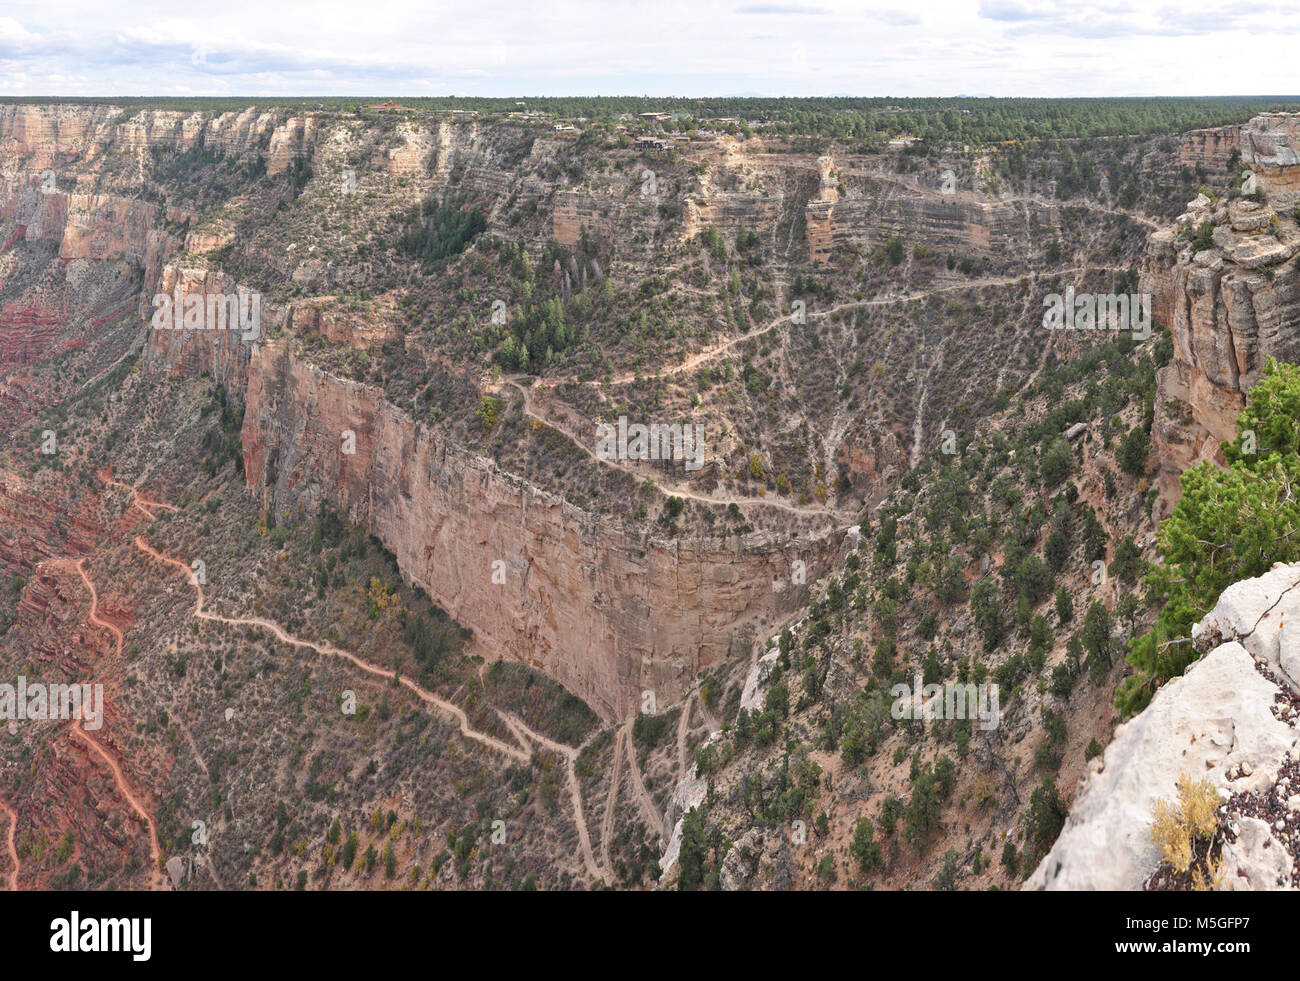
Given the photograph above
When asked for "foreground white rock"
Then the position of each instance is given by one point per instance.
(1206, 723)
(1264, 615)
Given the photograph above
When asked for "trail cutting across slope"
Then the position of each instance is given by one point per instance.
(155, 851)
(714, 351)
(13, 849)
(330, 650)
(518, 728)
(649, 809)
(611, 800)
(673, 490)
(683, 727)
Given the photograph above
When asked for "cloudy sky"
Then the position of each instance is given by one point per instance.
(664, 47)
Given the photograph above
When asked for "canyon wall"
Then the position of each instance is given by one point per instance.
(607, 613)
(1209, 149)
(1229, 307)
(46, 136)
(1270, 146)
(626, 215)
(819, 216)
(838, 204)
(83, 226)
(878, 207)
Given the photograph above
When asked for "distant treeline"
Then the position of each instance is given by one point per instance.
(971, 120)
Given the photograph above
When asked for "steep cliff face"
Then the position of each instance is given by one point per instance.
(877, 206)
(609, 615)
(1270, 145)
(1209, 149)
(838, 200)
(819, 217)
(84, 226)
(50, 135)
(606, 613)
(1229, 307)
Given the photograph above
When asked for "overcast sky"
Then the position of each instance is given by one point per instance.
(655, 47)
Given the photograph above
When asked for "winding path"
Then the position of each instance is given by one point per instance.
(649, 809)
(155, 850)
(13, 849)
(667, 489)
(683, 728)
(710, 353)
(714, 351)
(522, 733)
(330, 650)
(611, 799)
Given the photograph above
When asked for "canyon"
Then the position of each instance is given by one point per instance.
(609, 614)
(375, 395)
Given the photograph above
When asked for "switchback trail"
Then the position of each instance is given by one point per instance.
(522, 733)
(710, 353)
(155, 851)
(649, 810)
(611, 800)
(330, 650)
(683, 727)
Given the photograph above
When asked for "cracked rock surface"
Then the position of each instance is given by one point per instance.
(1217, 721)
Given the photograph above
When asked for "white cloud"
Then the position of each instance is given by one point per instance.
(699, 47)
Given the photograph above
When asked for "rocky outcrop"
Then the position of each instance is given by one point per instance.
(222, 353)
(1262, 615)
(84, 226)
(820, 212)
(625, 214)
(1229, 307)
(1226, 720)
(874, 207)
(1270, 146)
(1209, 149)
(689, 794)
